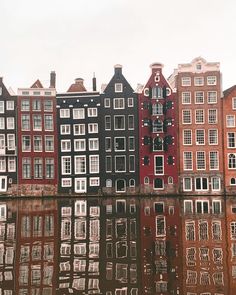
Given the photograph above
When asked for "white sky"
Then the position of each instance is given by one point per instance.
(78, 37)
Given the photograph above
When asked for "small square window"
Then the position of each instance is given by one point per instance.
(118, 87)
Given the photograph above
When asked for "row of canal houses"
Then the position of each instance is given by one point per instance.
(117, 246)
(159, 166)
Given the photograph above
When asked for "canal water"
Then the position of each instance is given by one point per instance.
(116, 246)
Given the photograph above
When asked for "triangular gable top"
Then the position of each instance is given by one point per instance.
(37, 84)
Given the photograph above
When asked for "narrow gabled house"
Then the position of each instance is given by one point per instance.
(79, 136)
(120, 152)
(8, 157)
(158, 135)
(37, 140)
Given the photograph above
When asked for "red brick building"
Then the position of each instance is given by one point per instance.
(157, 135)
(37, 140)
(229, 125)
(200, 126)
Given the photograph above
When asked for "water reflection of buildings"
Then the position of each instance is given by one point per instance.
(7, 248)
(36, 247)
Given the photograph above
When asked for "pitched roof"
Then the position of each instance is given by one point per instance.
(37, 84)
(229, 90)
(78, 86)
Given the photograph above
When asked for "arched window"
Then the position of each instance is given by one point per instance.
(157, 109)
(233, 181)
(146, 180)
(108, 183)
(158, 144)
(232, 161)
(132, 182)
(170, 180)
(120, 185)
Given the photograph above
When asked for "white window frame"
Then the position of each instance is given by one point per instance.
(197, 112)
(94, 171)
(118, 87)
(107, 102)
(184, 121)
(92, 112)
(199, 99)
(62, 165)
(79, 145)
(92, 128)
(198, 81)
(81, 129)
(65, 145)
(215, 136)
(81, 180)
(78, 168)
(184, 184)
(66, 182)
(186, 97)
(186, 81)
(78, 113)
(217, 160)
(230, 121)
(10, 105)
(94, 181)
(64, 113)
(211, 80)
(65, 129)
(118, 103)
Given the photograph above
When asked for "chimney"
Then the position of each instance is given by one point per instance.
(94, 83)
(53, 79)
(118, 69)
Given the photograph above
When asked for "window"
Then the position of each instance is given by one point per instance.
(66, 182)
(233, 230)
(119, 144)
(66, 165)
(230, 121)
(160, 226)
(201, 183)
(233, 181)
(204, 254)
(186, 116)
(159, 165)
(78, 113)
(186, 81)
(92, 112)
(157, 126)
(11, 164)
(65, 145)
(132, 164)
(188, 160)
(201, 160)
(130, 122)
(215, 183)
(36, 105)
(48, 105)
(81, 208)
(65, 129)
(10, 105)
(26, 143)
(25, 105)
(211, 80)
(213, 136)
(37, 122)
(49, 143)
(202, 207)
(186, 97)
(200, 136)
(190, 230)
(131, 143)
(188, 206)
(159, 207)
(107, 102)
(26, 168)
(80, 185)
(199, 97)
(214, 160)
(120, 185)
(2, 123)
(25, 122)
(157, 109)
(198, 81)
(108, 164)
(231, 140)
(231, 161)
(107, 122)
(187, 184)
(48, 122)
(205, 280)
(79, 144)
(218, 278)
(2, 164)
(120, 163)
(79, 129)
(130, 102)
(64, 113)
(11, 142)
(199, 116)
(119, 122)
(38, 168)
(94, 164)
(37, 143)
(10, 123)
(108, 184)
(94, 181)
(212, 97)
(191, 256)
(234, 103)
(158, 183)
(212, 116)
(80, 164)
(118, 87)
(108, 144)
(49, 168)
(93, 128)
(118, 103)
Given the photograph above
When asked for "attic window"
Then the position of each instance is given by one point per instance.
(198, 67)
(118, 87)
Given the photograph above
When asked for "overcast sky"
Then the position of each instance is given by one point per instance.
(78, 37)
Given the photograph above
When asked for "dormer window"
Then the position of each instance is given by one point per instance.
(118, 87)
(198, 67)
